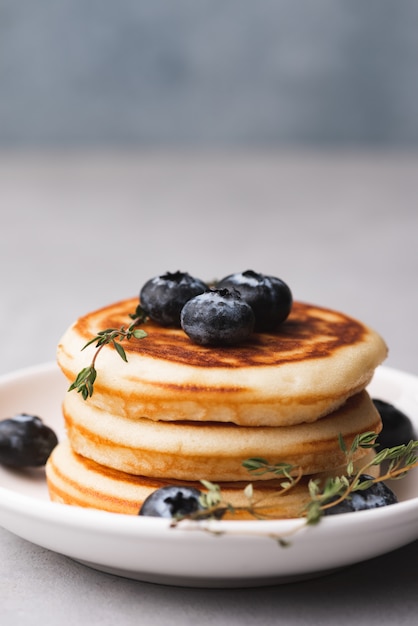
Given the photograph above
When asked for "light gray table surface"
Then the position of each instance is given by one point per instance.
(82, 229)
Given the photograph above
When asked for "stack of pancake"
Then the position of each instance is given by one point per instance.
(179, 413)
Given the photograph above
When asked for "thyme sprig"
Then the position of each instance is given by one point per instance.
(398, 461)
(84, 382)
(214, 506)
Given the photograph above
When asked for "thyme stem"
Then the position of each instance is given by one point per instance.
(336, 489)
(85, 379)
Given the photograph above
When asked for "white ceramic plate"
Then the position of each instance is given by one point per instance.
(147, 549)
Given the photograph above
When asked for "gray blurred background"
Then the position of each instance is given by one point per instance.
(208, 72)
(139, 137)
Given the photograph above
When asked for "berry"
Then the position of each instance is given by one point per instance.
(397, 427)
(163, 297)
(25, 441)
(269, 297)
(375, 496)
(171, 501)
(217, 317)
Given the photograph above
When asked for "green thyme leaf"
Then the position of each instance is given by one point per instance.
(313, 513)
(84, 382)
(139, 334)
(120, 350)
(260, 466)
(255, 464)
(341, 442)
(212, 498)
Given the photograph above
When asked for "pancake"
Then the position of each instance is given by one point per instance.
(303, 371)
(77, 481)
(214, 451)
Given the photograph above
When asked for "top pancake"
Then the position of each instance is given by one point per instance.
(299, 373)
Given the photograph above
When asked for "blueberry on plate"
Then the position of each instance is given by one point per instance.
(375, 496)
(25, 441)
(163, 297)
(172, 501)
(397, 427)
(217, 317)
(269, 297)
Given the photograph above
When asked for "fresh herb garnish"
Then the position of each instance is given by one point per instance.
(84, 382)
(398, 461)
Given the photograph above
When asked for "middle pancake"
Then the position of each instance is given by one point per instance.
(213, 451)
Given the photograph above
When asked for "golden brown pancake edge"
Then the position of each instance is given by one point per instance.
(306, 369)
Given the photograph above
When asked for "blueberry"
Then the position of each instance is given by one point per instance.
(25, 441)
(172, 501)
(373, 497)
(397, 427)
(163, 297)
(217, 317)
(269, 297)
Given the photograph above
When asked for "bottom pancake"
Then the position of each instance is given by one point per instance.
(75, 480)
